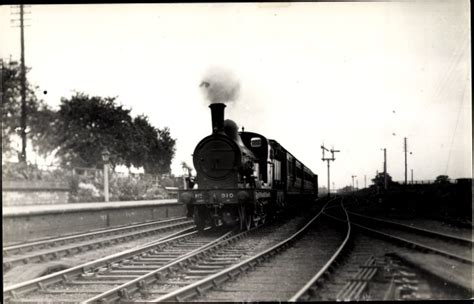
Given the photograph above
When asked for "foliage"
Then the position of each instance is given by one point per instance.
(23, 171)
(442, 179)
(121, 188)
(89, 187)
(82, 127)
(39, 116)
(85, 126)
(379, 179)
(151, 148)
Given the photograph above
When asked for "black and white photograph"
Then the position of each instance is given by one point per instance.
(237, 152)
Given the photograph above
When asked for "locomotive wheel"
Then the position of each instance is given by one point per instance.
(199, 219)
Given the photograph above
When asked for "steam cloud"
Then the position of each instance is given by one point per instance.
(220, 85)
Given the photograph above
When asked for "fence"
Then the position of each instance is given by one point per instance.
(425, 181)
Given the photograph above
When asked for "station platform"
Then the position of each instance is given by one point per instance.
(27, 223)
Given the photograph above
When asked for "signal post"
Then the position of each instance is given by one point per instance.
(328, 160)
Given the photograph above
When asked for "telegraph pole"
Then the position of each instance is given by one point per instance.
(405, 150)
(328, 160)
(23, 89)
(23, 118)
(385, 168)
(365, 181)
(353, 181)
(411, 176)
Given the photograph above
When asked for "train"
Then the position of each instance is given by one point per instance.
(243, 178)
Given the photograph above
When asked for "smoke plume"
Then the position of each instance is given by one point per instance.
(220, 85)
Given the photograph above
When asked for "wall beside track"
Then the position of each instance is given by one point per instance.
(26, 223)
(25, 193)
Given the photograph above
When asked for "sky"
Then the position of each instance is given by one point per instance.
(356, 77)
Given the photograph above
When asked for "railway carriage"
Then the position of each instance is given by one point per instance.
(243, 177)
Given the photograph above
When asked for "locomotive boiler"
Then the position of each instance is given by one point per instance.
(243, 177)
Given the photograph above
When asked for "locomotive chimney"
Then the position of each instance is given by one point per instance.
(217, 113)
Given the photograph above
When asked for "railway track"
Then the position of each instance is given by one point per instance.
(442, 224)
(123, 277)
(424, 240)
(199, 265)
(324, 260)
(56, 248)
(260, 277)
(368, 269)
(84, 281)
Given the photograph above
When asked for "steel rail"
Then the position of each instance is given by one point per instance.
(8, 250)
(415, 245)
(199, 287)
(39, 283)
(307, 290)
(464, 241)
(57, 252)
(132, 286)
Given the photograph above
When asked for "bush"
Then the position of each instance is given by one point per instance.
(30, 172)
(89, 187)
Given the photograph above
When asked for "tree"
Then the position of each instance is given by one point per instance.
(85, 125)
(379, 179)
(165, 149)
(442, 179)
(38, 113)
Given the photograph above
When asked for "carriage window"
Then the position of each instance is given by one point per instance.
(299, 172)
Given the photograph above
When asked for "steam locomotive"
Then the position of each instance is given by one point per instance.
(243, 177)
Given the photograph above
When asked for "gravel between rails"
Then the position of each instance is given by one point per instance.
(22, 273)
(100, 279)
(278, 231)
(363, 247)
(279, 278)
(35, 254)
(463, 251)
(373, 209)
(258, 241)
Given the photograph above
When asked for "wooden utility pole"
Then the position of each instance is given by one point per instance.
(328, 160)
(23, 110)
(23, 89)
(353, 186)
(385, 168)
(405, 150)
